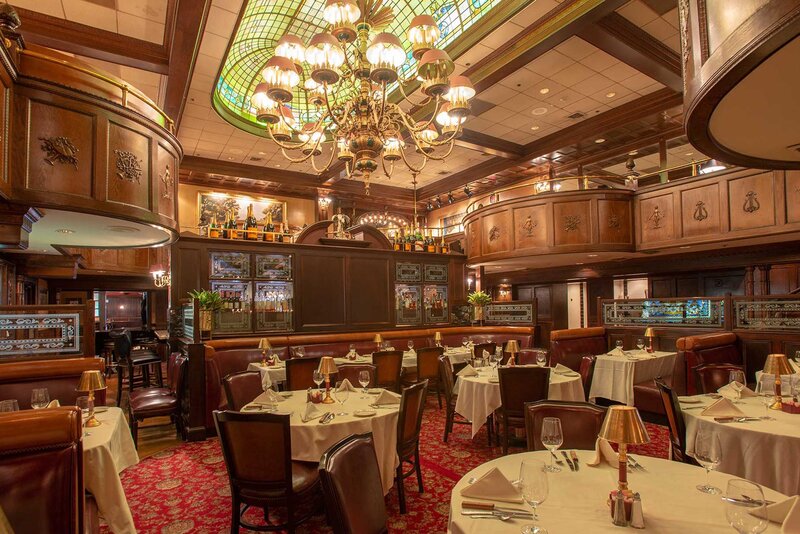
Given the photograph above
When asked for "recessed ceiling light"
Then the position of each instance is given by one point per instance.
(262, 153)
(277, 164)
(689, 154)
(230, 157)
(539, 111)
(686, 246)
(599, 140)
(633, 152)
(65, 231)
(592, 255)
(611, 94)
(534, 127)
(579, 263)
(544, 90)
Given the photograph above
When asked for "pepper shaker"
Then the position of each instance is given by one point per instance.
(618, 517)
(637, 516)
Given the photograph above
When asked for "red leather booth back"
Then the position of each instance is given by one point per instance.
(568, 347)
(706, 348)
(60, 377)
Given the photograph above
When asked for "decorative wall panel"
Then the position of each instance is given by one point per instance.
(656, 218)
(752, 201)
(369, 291)
(792, 196)
(437, 310)
(408, 272)
(323, 297)
(572, 223)
(614, 221)
(436, 272)
(530, 227)
(167, 180)
(497, 232)
(128, 176)
(700, 210)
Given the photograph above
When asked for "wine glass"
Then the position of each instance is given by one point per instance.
(541, 358)
(765, 389)
(341, 395)
(410, 344)
(640, 344)
(464, 342)
(797, 356)
(534, 489)
(299, 352)
(318, 378)
(352, 351)
(736, 380)
(708, 453)
(745, 509)
(10, 405)
(618, 344)
(363, 379)
(39, 398)
(552, 438)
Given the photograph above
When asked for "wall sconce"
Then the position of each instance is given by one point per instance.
(324, 202)
(469, 282)
(161, 276)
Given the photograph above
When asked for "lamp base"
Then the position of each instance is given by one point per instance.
(92, 421)
(777, 404)
(328, 399)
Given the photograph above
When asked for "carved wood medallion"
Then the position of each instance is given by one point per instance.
(700, 211)
(128, 166)
(751, 203)
(529, 225)
(59, 150)
(571, 222)
(168, 182)
(656, 217)
(494, 233)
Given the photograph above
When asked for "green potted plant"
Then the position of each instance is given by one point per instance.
(479, 299)
(209, 301)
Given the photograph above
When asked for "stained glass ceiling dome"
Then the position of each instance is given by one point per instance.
(263, 22)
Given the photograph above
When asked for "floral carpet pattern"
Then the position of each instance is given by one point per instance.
(185, 489)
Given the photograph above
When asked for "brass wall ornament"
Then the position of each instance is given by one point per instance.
(700, 211)
(494, 233)
(571, 222)
(168, 182)
(128, 166)
(613, 220)
(656, 217)
(59, 149)
(751, 203)
(529, 225)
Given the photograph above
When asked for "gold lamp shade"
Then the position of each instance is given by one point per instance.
(649, 332)
(91, 381)
(263, 344)
(437, 336)
(327, 366)
(378, 338)
(512, 346)
(778, 364)
(623, 425)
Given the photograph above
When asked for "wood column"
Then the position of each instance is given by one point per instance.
(763, 282)
(749, 283)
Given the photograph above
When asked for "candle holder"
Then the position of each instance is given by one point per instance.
(327, 367)
(90, 382)
(623, 425)
(777, 365)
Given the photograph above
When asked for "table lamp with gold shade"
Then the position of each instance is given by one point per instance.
(90, 382)
(327, 367)
(623, 425)
(512, 347)
(378, 339)
(264, 346)
(777, 364)
(650, 333)
(437, 338)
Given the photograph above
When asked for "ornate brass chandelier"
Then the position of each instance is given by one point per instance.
(357, 58)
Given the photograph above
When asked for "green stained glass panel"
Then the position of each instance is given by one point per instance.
(265, 21)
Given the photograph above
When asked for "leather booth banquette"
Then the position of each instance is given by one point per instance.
(60, 376)
(568, 347)
(226, 356)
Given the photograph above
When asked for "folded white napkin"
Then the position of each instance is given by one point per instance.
(311, 412)
(53, 404)
(468, 371)
(485, 355)
(730, 392)
(493, 486)
(346, 386)
(603, 453)
(786, 512)
(617, 352)
(723, 408)
(266, 381)
(269, 396)
(387, 397)
(560, 369)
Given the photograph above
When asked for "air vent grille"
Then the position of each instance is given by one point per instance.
(576, 115)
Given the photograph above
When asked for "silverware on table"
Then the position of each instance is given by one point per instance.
(574, 456)
(557, 459)
(569, 462)
(635, 464)
(736, 419)
(497, 513)
(326, 418)
(488, 507)
(754, 502)
(488, 515)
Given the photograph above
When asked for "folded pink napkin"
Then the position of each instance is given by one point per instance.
(785, 512)
(603, 453)
(493, 486)
(730, 392)
(723, 408)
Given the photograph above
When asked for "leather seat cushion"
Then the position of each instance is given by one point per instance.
(139, 357)
(151, 392)
(146, 404)
(305, 476)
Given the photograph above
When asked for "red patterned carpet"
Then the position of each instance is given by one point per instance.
(185, 489)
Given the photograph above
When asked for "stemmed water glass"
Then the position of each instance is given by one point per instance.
(39, 398)
(318, 378)
(708, 453)
(745, 509)
(765, 389)
(341, 395)
(541, 358)
(410, 344)
(797, 356)
(363, 379)
(552, 438)
(736, 380)
(640, 344)
(465, 341)
(618, 344)
(534, 489)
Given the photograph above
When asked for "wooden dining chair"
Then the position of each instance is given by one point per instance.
(300, 373)
(713, 376)
(450, 398)
(580, 423)
(677, 425)
(477, 350)
(586, 370)
(409, 423)
(265, 480)
(242, 388)
(519, 385)
(159, 402)
(352, 487)
(351, 372)
(427, 369)
(389, 364)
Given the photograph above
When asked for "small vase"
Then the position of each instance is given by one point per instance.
(206, 323)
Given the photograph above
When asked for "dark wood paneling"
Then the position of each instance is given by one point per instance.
(752, 201)
(687, 286)
(497, 232)
(369, 291)
(530, 227)
(321, 295)
(700, 210)
(662, 288)
(754, 354)
(572, 223)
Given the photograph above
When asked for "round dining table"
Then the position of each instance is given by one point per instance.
(763, 451)
(577, 501)
(479, 396)
(312, 438)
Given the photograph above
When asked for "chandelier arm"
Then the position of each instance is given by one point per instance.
(413, 169)
(283, 118)
(292, 146)
(408, 97)
(383, 103)
(296, 160)
(328, 105)
(443, 156)
(327, 165)
(387, 173)
(449, 138)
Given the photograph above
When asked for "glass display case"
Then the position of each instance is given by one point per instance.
(230, 265)
(436, 308)
(274, 306)
(408, 305)
(273, 266)
(237, 301)
(705, 312)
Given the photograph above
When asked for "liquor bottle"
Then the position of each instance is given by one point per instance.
(279, 232)
(226, 226)
(213, 229)
(235, 234)
(407, 243)
(395, 242)
(250, 225)
(445, 247)
(430, 243)
(269, 229)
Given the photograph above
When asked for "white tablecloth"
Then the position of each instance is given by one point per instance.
(767, 452)
(477, 397)
(786, 380)
(577, 500)
(614, 376)
(107, 451)
(311, 439)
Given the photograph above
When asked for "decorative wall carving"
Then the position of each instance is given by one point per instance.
(529, 225)
(571, 222)
(168, 182)
(128, 166)
(494, 233)
(59, 149)
(655, 218)
(700, 211)
(613, 220)
(686, 45)
(751, 204)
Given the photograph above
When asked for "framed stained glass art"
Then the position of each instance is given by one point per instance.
(230, 265)
(436, 308)
(408, 272)
(436, 273)
(408, 305)
(274, 266)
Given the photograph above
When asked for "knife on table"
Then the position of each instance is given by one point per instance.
(574, 456)
(490, 507)
(569, 462)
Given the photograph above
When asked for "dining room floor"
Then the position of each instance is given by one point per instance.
(183, 487)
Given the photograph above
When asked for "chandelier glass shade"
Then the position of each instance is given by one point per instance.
(367, 131)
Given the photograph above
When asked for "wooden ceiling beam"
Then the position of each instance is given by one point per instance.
(253, 172)
(621, 38)
(92, 42)
(487, 144)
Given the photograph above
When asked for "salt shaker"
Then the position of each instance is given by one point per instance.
(637, 516)
(618, 517)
